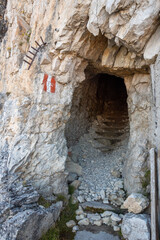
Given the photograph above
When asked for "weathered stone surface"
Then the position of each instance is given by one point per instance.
(136, 203)
(3, 23)
(21, 225)
(19, 211)
(152, 47)
(97, 205)
(33, 121)
(136, 227)
(85, 235)
(124, 20)
(39, 139)
(139, 107)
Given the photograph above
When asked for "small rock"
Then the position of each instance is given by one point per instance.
(70, 224)
(84, 222)
(73, 167)
(80, 217)
(98, 222)
(119, 184)
(94, 217)
(75, 228)
(79, 211)
(115, 217)
(80, 199)
(136, 203)
(71, 177)
(106, 220)
(88, 199)
(115, 173)
(106, 214)
(116, 228)
(76, 184)
(102, 194)
(105, 201)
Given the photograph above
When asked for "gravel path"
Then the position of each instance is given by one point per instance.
(97, 165)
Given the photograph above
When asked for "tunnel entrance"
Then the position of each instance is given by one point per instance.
(97, 136)
(102, 98)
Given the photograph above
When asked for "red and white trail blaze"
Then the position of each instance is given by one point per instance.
(49, 83)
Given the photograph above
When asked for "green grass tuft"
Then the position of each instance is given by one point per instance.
(61, 197)
(71, 189)
(94, 210)
(42, 201)
(60, 231)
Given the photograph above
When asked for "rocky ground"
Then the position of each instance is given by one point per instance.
(100, 154)
(95, 164)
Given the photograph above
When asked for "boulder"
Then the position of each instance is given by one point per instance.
(30, 224)
(136, 203)
(136, 227)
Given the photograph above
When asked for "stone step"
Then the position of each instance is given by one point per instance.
(97, 205)
(107, 142)
(112, 130)
(86, 235)
(107, 149)
(110, 135)
(115, 121)
(112, 126)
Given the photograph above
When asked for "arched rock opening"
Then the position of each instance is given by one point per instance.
(97, 134)
(102, 98)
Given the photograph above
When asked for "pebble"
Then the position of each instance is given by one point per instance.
(80, 199)
(105, 201)
(70, 224)
(94, 217)
(102, 193)
(75, 184)
(106, 214)
(106, 220)
(75, 228)
(79, 211)
(115, 217)
(116, 228)
(80, 217)
(84, 222)
(98, 222)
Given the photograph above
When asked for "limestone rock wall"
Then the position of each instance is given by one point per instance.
(139, 108)
(110, 36)
(3, 23)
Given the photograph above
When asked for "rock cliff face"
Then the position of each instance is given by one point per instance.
(83, 38)
(3, 23)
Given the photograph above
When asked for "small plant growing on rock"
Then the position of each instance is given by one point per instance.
(45, 203)
(28, 35)
(146, 183)
(60, 230)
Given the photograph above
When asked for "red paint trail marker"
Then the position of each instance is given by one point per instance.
(49, 83)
